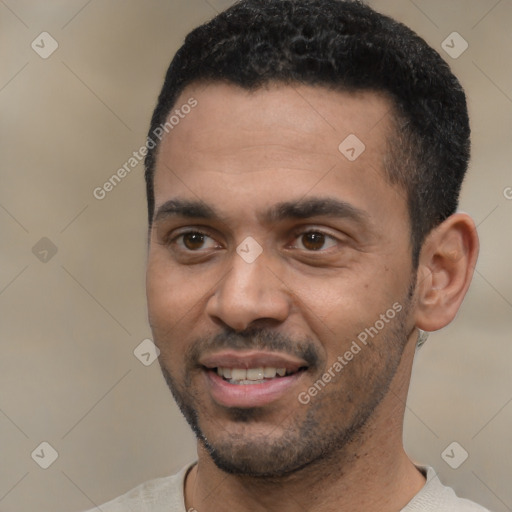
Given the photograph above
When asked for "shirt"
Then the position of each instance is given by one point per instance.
(167, 495)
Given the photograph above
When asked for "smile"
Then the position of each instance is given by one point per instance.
(251, 378)
(248, 376)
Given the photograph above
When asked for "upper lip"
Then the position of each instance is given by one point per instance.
(252, 359)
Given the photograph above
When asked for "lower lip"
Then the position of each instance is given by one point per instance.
(249, 395)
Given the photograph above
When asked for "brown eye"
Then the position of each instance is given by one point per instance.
(192, 245)
(313, 241)
(193, 241)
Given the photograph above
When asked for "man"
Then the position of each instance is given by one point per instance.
(303, 170)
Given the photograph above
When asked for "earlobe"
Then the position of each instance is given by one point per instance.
(446, 264)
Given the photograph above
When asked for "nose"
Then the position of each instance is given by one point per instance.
(249, 293)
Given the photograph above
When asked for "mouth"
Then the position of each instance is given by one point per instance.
(251, 379)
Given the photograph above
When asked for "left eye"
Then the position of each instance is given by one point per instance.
(315, 241)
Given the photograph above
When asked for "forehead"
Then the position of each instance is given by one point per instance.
(274, 143)
(227, 115)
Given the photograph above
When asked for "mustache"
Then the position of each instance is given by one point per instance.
(254, 339)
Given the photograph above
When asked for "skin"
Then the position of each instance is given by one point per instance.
(241, 153)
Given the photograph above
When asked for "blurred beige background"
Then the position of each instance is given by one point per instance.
(70, 321)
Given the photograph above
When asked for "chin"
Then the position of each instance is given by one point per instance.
(255, 461)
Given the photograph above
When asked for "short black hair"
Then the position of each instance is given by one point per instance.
(344, 45)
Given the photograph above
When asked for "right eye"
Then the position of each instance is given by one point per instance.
(194, 241)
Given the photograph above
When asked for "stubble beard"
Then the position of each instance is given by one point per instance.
(325, 432)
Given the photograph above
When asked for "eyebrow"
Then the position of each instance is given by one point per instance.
(299, 209)
(314, 207)
(185, 208)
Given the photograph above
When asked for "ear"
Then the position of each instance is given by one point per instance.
(446, 263)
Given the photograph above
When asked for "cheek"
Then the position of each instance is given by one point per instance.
(169, 304)
(344, 304)
(172, 293)
(349, 303)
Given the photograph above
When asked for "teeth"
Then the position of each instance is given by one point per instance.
(255, 374)
(269, 373)
(238, 374)
(250, 374)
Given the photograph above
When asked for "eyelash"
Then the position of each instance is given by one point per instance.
(296, 235)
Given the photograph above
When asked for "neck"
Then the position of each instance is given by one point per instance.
(372, 473)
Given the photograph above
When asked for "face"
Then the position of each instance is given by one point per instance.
(279, 271)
